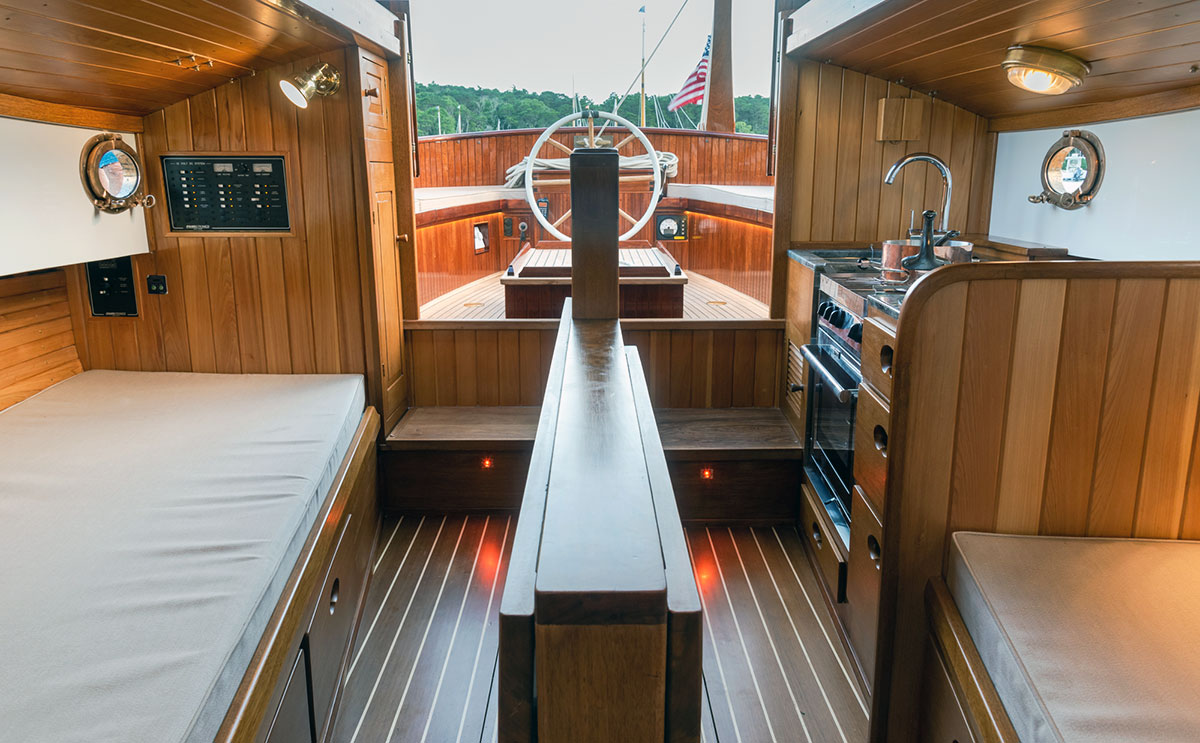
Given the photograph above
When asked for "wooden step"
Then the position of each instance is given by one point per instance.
(727, 465)
(462, 428)
(691, 434)
(687, 433)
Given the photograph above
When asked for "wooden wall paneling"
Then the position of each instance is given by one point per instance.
(319, 231)
(37, 339)
(265, 303)
(825, 165)
(1033, 376)
(347, 261)
(785, 186)
(505, 363)
(836, 184)
(1074, 412)
(1173, 414)
(982, 397)
(1123, 417)
(870, 163)
(1087, 326)
(852, 122)
(805, 151)
(927, 471)
(891, 197)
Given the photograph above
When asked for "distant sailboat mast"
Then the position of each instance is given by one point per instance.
(642, 11)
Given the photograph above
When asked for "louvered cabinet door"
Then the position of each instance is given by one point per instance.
(795, 397)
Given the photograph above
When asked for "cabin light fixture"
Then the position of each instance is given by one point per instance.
(1044, 71)
(320, 79)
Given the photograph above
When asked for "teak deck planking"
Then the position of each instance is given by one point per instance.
(760, 592)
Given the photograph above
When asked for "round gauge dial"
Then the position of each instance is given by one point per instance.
(668, 227)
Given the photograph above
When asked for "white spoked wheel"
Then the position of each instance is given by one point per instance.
(590, 117)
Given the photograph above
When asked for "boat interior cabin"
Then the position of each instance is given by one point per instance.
(881, 427)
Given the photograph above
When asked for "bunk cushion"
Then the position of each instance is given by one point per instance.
(148, 524)
(1085, 639)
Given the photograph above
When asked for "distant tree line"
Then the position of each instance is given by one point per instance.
(486, 109)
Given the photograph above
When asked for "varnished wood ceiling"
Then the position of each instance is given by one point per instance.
(1137, 48)
(120, 55)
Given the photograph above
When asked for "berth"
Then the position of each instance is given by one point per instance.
(1084, 638)
(156, 518)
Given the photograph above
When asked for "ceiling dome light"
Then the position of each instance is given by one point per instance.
(1044, 71)
(320, 79)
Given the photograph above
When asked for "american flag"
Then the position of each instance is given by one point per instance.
(693, 89)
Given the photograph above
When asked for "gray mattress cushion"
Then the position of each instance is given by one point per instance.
(148, 524)
(1085, 639)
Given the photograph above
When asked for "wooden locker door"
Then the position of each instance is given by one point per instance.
(387, 276)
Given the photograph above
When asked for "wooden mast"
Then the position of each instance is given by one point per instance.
(719, 98)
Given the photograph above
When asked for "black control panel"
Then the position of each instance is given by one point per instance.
(111, 288)
(235, 193)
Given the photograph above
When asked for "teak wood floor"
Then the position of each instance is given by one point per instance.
(424, 664)
(703, 299)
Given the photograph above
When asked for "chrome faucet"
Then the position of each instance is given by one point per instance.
(935, 161)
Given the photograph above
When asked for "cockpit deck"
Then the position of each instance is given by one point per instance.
(703, 299)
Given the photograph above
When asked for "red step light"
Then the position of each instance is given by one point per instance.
(706, 473)
(487, 463)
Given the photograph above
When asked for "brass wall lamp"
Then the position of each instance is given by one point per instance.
(320, 79)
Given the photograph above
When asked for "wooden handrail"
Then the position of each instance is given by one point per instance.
(600, 625)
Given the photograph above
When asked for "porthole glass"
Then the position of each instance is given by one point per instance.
(1072, 171)
(112, 174)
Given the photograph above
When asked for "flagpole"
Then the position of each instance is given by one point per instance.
(643, 117)
(707, 81)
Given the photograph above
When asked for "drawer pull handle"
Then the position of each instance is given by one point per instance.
(881, 440)
(886, 353)
(793, 387)
(816, 534)
(874, 551)
(333, 596)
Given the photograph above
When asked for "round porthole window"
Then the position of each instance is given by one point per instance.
(112, 174)
(1072, 170)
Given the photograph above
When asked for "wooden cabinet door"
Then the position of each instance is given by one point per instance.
(293, 718)
(387, 279)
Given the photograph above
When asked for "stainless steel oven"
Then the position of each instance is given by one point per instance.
(833, 376)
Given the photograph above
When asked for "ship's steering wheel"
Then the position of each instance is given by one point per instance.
(591, 116)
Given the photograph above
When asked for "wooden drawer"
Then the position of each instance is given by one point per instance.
(878, 352)
(293, 723)
(863, 572)
(942, 717)
(872, 431)
(824, 545)
(336, 613)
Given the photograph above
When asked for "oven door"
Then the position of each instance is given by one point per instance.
(832, 398)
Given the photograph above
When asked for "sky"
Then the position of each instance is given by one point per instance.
(593, 44)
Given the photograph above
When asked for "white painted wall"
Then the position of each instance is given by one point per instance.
(1147, 208)
(46, 219)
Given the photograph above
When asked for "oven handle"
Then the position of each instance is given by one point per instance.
(814, 360)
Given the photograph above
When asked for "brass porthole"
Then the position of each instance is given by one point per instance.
(1072, 171)
(112, 174)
